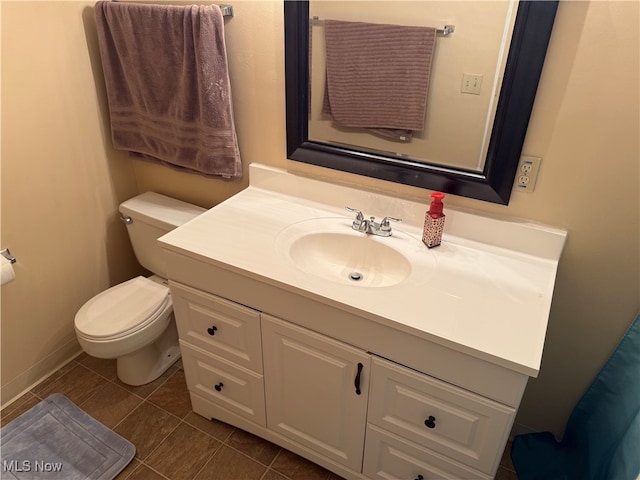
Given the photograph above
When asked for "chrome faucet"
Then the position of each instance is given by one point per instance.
(371, 227)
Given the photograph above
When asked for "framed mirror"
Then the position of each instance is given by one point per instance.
(510, 105)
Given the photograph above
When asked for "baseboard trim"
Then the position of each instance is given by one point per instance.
(38, 372)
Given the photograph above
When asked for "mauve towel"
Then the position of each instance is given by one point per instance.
(378, 76)
(168, 88)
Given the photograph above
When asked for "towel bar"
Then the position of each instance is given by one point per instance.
(439, 31)
(227, 10)
(7, 254)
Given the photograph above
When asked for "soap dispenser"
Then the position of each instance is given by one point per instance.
(434, 221)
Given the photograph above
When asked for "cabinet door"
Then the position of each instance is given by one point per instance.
(311, 388)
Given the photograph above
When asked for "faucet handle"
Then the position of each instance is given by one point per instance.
(385, 226)
(359, 224)
(359, 215)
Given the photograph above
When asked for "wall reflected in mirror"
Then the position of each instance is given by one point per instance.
(457, 125)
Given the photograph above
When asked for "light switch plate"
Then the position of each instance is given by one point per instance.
(471, 83)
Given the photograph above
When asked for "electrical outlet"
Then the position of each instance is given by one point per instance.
(527, 174)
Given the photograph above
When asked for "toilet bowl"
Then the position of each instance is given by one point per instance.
(133, 322)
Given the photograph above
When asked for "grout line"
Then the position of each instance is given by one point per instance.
(208, 460)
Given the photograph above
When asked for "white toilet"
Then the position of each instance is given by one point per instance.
(133, 322)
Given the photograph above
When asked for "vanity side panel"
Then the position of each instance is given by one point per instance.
(492, 381)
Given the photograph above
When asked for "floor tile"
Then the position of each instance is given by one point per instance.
(505, 474)
(146, 427)
(257, 448)
(215, 428)
(18, 407)
(147, 389)
(333, 476)
(111, 404)
(78, 385)
(38, 389)
(183, 453)
(505, 461)
(144, 473)
(298, 468)
(128, 470)
(173, 395)
(228, 464)
(108, 368)
(273, 475)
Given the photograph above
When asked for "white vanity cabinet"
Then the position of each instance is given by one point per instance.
(340, 405)
(439, 342)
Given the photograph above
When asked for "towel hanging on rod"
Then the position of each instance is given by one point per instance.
(169, 105)
(362, 86)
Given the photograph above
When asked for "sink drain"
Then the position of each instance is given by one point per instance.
(355, 276)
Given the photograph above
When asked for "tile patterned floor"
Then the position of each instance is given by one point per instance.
(173, 442)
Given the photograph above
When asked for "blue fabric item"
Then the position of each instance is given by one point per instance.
(56, 440)
(602, 438)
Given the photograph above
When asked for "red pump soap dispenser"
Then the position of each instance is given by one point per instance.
(434, 221)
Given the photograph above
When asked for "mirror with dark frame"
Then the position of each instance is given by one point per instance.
(529, 41)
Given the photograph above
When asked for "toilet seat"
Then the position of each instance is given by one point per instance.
(122, 310)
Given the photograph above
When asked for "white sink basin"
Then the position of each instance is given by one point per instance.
(349, 259)
(328, 248)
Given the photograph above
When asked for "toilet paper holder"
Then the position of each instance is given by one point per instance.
(7, 254)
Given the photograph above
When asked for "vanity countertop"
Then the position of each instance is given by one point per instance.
(486, 291)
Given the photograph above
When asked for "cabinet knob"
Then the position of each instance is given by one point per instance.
(212, 330)
(219, 386)
(419, 477)
(430, 422)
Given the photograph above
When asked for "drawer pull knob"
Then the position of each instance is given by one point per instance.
(419, 477)
(357, 380)
(219, 386)
(212, 330)
(430, 422)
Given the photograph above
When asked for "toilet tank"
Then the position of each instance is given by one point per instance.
(149, 216)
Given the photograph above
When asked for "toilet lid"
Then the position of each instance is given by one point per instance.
(122, 309)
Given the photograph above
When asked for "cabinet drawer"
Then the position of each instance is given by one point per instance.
(218, 326)
(217, 380)
(446, 419)
(387, 456)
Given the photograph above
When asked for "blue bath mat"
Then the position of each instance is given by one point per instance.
(56, 440)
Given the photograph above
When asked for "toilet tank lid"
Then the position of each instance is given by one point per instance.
(160, 210)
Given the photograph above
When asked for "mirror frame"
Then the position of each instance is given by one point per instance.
(531, 34)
